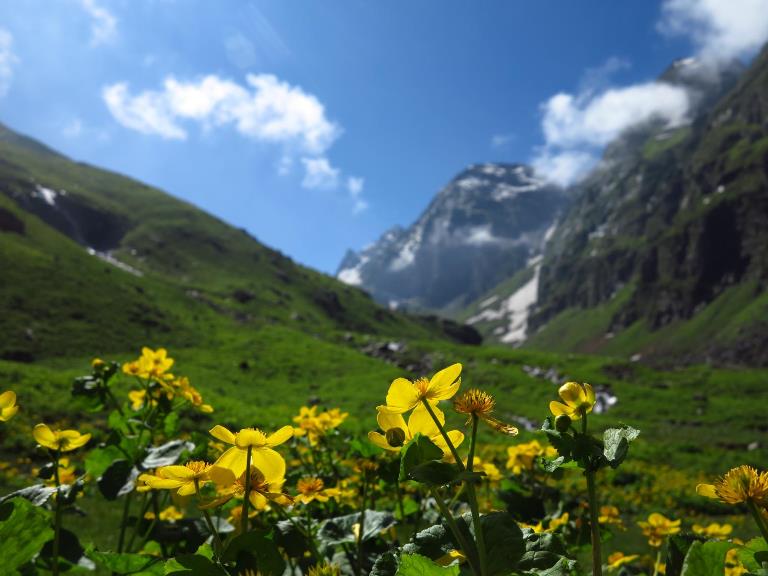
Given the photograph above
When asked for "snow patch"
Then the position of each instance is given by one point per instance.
(46, 194)
(480, 235)
(353, 276)
(407, 255)
(492, 170)
(110, 259)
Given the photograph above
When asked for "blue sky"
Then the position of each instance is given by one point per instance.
(317, 125)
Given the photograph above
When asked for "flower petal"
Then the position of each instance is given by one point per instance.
(283, 435)
(420, 422)
(45, 437)
(234, 459)
(558, 408)
(7, 399)
(388, 420)
(444, 384)
(380, 441)
(186, 489)
(572, 393)
(402, 396)
(707, 490)
(221, 433)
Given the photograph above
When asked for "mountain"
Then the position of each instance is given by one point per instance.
(95, 263)
(484, 226)
(662, 251)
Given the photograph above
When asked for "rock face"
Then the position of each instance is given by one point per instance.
(671, 219)
(480, 229)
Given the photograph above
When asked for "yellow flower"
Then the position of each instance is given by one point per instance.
(169, 514)
(522, 456)
(480, 404)
(186, 479)
(610, 515)
(311, 488)
(733, 566)
(97, 363)
(556, 523)
(324, 569)
(714, 530)
(60, 440)
(263, 456)
(134, 369)
(618, 559)
(579, 400)
(316, 425)
(8, 406)
(492, 473)
(191, 394)
(137, 398)
(265, 485)
(451, 557)
(660, 568)
(397, 433)
(658, 527)
(742, 484)
(404, 395)
(155, 362)
(66, 471)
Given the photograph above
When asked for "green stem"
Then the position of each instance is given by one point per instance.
(247, 494)
(307, 533)
(657, 563)
(758, 519)
(124, 521)
(451, 521)
(473, 505)
(594, 523)
(142, 511)
(216, 539)
(444, 434)
(361, 529)
(399, 494)
(57, 515)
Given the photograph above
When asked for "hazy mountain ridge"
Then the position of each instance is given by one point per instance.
(479, 229)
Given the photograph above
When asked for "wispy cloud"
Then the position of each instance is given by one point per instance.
(355, 187)
(240, 50)
(264, 109)
(720, 29)
(103, 22)
(501, 140)
(8, 61)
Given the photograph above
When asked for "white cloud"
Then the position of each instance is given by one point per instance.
(319, 174)
(563, 167)
(501, 140)
(8, 61)
(576, 126)
(103, 22)
(265, 109)
(355, 185)
(720, 29)
(572, 120)
(240, 51)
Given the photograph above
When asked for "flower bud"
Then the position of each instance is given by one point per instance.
(395, 437)
(562, 423)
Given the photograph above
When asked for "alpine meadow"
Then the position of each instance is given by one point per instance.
(302, 360)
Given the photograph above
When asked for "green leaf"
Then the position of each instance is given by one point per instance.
(563, 443)
(541, 551)
(503, 542)
(749, 550)
(386, 565)
(416, 565)
(255, 549)
(434, 473)
(192, 565)
(134, 564)
(23, 533)
(70, 548)
(171, 424)
(335, 531)
(677, 548)
(432, 542)
(706, 559)
(99, 459)
(418, 451)
(166, 454)
(37, 494)
(617, 442)
(117, 480)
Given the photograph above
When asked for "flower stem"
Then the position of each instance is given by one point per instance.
(473, 505)
(306, 532)
(216, 539)
(57, 515)
(758, 519)
(124, 521)
(594, 523)
(451, 521)
(657, 563)
(444, 434)
(361, 529)
(247, 494)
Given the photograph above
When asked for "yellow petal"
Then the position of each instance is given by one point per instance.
(221, 433)
(707, 490)
(589, 394)
(8, 413)
(283, 435)
(572, 393)
(420, 422)
(222, 476)
(234, 459)
(78, 441)
(387, 420)
(186, 489)
(402, 396)
(268, 461)
(258, 500)
(558, 408)
(381, 441)
(45, 437)
(176, 472)
(7, 399)
(444, 384)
